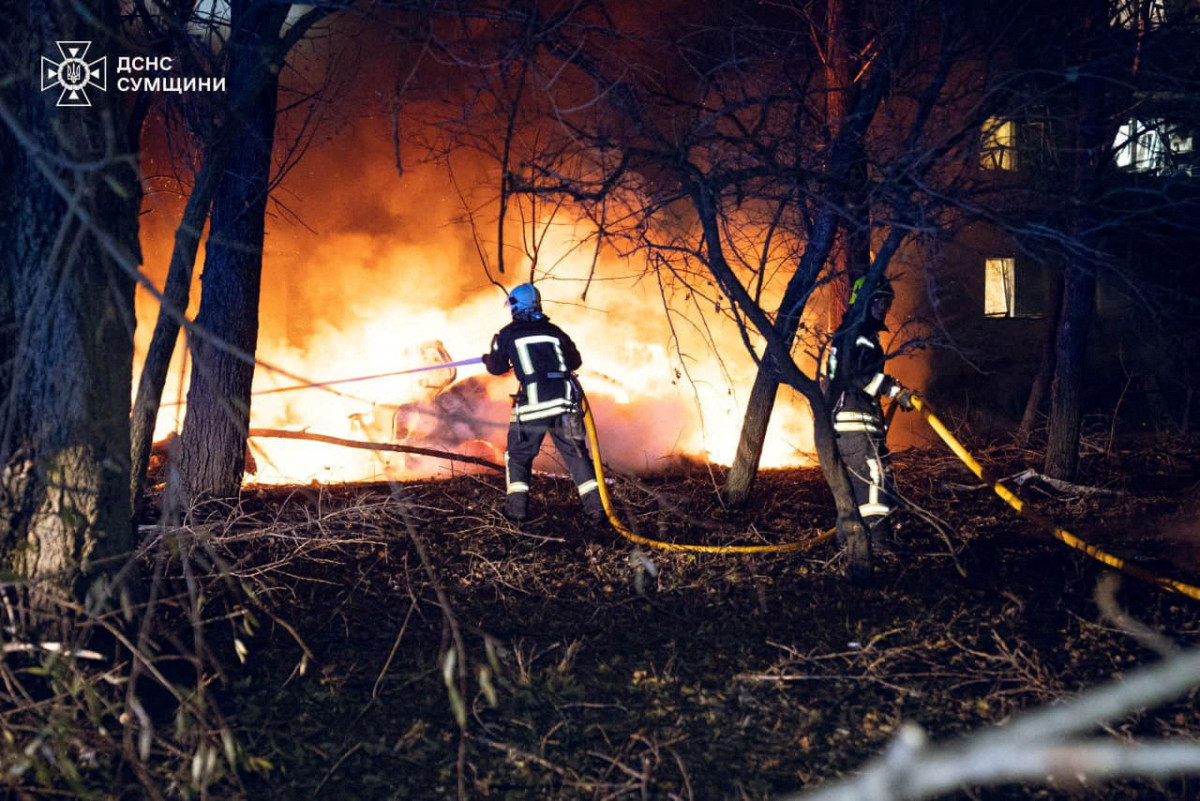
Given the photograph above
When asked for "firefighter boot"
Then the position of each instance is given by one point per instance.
(879, 529)
(592, 506)
(516, 507)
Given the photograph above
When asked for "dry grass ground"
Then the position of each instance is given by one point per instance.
(404, 641)
(599, 669)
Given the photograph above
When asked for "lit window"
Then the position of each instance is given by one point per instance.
(1154, 146)
(1137, 15)
(1180, 143)
(1140, 146)
(999, 287)
(1015, 288)
(999, 144)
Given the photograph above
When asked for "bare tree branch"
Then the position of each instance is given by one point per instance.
(1049, 745)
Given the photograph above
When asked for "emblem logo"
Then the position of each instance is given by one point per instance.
(74, 74)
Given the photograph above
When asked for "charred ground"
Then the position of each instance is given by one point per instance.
(598, 669)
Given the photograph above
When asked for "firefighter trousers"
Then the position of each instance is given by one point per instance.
(869, 464)
(524, 443)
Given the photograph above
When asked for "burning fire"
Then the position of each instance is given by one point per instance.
(381, 279)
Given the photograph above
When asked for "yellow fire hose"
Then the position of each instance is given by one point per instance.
(1045, 523)
(590, 424)
(961, 452)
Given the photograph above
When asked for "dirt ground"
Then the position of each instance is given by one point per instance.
(594, 668)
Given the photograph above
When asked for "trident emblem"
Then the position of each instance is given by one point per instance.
(74, 74)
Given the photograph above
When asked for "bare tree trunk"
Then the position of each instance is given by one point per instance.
(66, 309)
(850, 527)
(177, 288)
(848, 164)
(844, 63)
(1079, 282)
(740, 480)
(1041, 382)
(766, 383)
(222, 139)
(166, 329)
(1066, 412)
(213, 442)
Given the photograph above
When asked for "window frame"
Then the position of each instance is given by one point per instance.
(999, 302)
(998, 140)
(1011, 285)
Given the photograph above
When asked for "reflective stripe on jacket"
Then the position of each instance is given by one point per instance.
(855, 370)
(543, 358)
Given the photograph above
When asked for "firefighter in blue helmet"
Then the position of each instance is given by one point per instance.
(857, 383)
(544, 359)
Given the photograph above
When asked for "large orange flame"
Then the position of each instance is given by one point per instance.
(382, 277)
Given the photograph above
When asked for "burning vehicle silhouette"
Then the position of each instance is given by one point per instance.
(467, 417)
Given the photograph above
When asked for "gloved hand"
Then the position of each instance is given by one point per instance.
(905, 399)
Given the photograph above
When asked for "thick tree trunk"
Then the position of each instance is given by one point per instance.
(213, 442)
(66, 310)
(1045, 374)
(166, 329)
(1092, 139)
(223, 138)
(1066, 412)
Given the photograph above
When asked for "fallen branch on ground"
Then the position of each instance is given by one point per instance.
(279, 433)
(1033, 478)
(1049, 745)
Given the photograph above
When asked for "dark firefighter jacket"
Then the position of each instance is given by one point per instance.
(543, 358)
(857, 380)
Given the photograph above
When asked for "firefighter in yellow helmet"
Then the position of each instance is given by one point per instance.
(857, 383)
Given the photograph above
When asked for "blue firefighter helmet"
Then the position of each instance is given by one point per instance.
(883, 289)
(525, 302)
